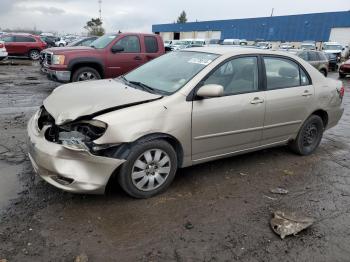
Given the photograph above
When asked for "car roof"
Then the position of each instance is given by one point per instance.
(20, 34)
(228, 50)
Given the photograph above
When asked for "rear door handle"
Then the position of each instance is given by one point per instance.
(307, 93)
(257, 100)
(137, 58)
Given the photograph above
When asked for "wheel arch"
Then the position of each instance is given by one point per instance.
(33, 49)
(124, 150)
(174, 142)
(323, 115)
(86, 62)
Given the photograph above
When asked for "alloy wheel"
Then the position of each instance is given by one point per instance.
(34, 55)
(151, 170)
(85, 76)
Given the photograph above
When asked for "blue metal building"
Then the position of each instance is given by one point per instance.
(296, 28)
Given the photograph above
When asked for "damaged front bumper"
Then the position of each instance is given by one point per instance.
(67, 169)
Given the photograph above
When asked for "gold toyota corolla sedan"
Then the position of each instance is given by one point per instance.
(181, 109)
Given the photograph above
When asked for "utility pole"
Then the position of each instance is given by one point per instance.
(99, 9)
(272, 12)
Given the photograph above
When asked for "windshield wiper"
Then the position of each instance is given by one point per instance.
(93, 46)
(143, 86)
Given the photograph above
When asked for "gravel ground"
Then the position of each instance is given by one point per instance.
(218, 211)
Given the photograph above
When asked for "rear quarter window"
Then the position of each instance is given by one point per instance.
(151, 44)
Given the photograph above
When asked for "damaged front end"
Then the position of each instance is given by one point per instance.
(77, 135)
(66, 156)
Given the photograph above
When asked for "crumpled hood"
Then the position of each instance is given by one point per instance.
(71, 101)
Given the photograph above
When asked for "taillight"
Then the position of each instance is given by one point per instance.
(1, 45)
(342, 92)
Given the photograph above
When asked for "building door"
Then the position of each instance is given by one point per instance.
(176, 36)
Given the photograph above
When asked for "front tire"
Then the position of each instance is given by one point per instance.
(309, 136)
(149, 169)
(85, 74)
(341, 75)
(34, 55)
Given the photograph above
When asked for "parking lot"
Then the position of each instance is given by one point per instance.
(219, 211)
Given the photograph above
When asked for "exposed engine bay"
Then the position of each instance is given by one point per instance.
(77, 135)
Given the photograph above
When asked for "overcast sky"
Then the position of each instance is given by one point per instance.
(139, 15)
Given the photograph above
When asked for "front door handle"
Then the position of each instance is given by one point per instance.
(307, 93)
(137, 58)
(257, 100)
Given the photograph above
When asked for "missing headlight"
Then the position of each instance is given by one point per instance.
(76, 135)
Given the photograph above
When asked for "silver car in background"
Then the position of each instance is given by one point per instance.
(181, 109)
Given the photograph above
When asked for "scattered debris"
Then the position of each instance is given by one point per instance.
(18, 117)
(288, 172)
(279, 190)
(31, 78)
(289, 223)
(3, 260)
(271, 198)
(243, 174)
(3, 149)
(81, 258)
(189, 225)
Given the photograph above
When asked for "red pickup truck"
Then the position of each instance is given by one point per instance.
(109, 56)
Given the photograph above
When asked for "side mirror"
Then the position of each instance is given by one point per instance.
(210, 91)
(117, 49)
(343, 48)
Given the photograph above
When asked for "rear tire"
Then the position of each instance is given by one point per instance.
(34, 54)
(309, 136)
(85, 74)
(149, 169)
(341, 75)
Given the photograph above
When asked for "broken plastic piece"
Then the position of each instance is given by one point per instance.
(289, 223)
(279, 190)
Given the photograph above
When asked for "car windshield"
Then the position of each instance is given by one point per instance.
(183, 43)
(170, 72)
(332, 47)
(75, 42)
(262, 44)
(103, 41)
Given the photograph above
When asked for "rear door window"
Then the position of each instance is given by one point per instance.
(131, 44)
(313, 56)
(281, 73)
(321, 56)
(24, 39)
(151, 44)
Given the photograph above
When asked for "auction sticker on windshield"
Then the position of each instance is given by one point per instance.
(200, 61)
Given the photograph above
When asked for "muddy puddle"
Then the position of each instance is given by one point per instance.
(10, 185)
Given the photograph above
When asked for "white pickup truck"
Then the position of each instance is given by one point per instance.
(336, 49)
